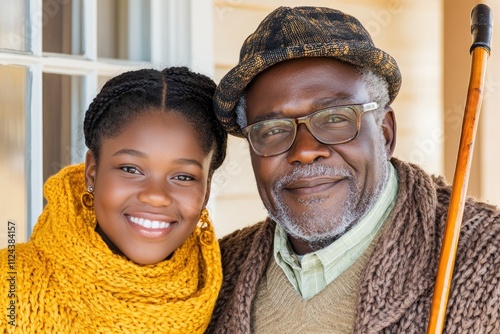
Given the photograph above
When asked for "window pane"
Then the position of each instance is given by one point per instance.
(123, 29)
(13, 24)
(62, 26)
(13, 193)
(108, 39)
(63, 142)
(101, 80)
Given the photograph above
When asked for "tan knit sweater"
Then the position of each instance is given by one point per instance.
(396, 285)
(332, 310)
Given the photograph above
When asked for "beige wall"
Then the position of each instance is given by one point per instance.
(425, 37)
(489, 131)
(484, 180)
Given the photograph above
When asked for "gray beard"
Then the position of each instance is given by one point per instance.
(320, 228)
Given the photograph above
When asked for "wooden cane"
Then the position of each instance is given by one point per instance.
(481, 29)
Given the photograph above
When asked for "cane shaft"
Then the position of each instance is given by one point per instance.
(459, 191)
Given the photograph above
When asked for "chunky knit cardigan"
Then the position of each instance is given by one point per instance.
(396, 288)
(67, 280)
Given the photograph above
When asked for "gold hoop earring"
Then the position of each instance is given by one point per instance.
(207, 233)
(87, 198)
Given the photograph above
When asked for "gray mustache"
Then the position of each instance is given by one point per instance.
(310, 171)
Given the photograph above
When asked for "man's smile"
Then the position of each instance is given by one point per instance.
(311, 186)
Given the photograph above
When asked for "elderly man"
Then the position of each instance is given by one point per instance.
(353, 236)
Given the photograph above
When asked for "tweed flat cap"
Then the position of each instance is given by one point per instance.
(289, 33)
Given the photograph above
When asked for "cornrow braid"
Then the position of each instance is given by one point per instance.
(191, 95)
(104, 101)
(175, 89)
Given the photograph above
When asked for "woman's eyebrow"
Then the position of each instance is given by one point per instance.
(185, 161)
(132, 152)
(139, 154)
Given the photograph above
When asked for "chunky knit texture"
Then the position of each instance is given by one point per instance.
(69, 281)
(396, 286)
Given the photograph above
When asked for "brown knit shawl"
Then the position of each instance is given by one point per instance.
(397, 284)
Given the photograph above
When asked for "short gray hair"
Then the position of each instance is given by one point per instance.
(241, 107)
(378, 91)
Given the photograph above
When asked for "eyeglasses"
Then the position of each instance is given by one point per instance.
(334, 125)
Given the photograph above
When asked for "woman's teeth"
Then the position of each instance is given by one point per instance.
(148, 223)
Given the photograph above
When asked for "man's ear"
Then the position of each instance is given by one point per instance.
(389, 128)
(90, 169)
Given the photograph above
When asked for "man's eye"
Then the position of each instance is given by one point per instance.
(274, 131)
(336, 119)
(334, 122)
(130, 169)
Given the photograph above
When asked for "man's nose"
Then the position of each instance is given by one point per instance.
(306, 148)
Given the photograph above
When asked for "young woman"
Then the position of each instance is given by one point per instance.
(124, 244)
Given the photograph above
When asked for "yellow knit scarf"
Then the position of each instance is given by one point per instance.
(69, 281)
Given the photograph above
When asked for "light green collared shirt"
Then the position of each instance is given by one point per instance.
(312, 272)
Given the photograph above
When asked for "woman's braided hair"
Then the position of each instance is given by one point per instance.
(175, 89)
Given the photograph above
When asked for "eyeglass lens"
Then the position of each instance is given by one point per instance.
(329, 126)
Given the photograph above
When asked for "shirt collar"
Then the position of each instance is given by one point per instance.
(328, 263)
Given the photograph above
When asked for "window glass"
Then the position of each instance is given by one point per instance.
(62, 25)
(63, 141)
(13, 25)
(13, 193)
(108, 34)
(123, 29)
(101, 80)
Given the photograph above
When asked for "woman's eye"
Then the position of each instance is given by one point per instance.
(184, 177)
(130, 169)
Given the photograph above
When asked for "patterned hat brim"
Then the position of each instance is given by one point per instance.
(233, 84)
